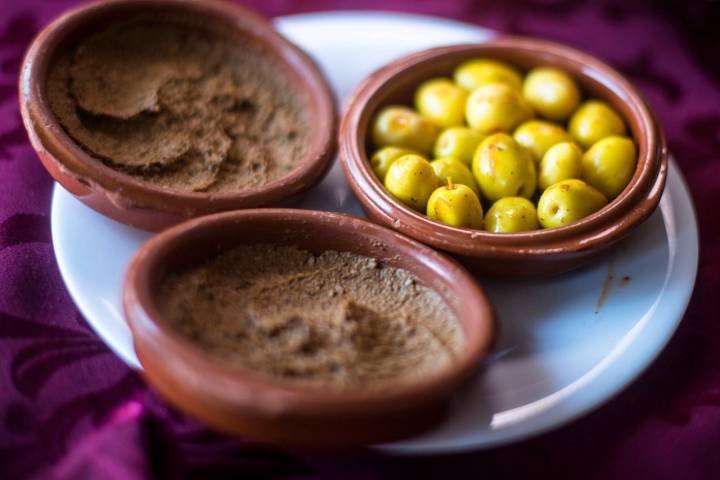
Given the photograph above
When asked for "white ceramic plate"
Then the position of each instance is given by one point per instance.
(562, 349)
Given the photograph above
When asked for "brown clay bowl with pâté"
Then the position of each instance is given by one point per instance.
(274, 410)
(539, 252)
(140, 203)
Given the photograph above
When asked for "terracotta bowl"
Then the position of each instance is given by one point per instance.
(266, 409)
(519, 254)
(138, 203)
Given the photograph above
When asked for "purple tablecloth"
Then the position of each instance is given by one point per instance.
(70, 409)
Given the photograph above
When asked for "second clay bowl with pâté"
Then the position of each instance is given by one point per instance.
(140, 203)
(538, 252)
(241, 401)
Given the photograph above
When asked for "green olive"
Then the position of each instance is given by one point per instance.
(454, 168)
(442, 102)
(593, 121)
(411, 180)
(503, 168)
(511, 214)
(496, 107)
(399, 126)
(458, 142)
(610, 164)
(551, 92)
(561, 162)
(383, 158)
(455, 205)
(473, 73)
(567, 202)
(539, 135)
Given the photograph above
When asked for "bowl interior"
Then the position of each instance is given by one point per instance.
(397, 82)
(594, 83)
(210, 17)
(204, 238)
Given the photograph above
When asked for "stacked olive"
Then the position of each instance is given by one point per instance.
(529, 147)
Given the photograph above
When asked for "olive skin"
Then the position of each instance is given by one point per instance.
(495, 107)
(456, 205)
(383, 158)
(539, 135)
(610, 164)
(567, 202)
(458, 142)
(480, 71)
(593, 121)
(400, 126)
(511, 215)
(552, 93)
(442, 102)
(455, 169)
(503, 168)
(561, 162)
(411, 180)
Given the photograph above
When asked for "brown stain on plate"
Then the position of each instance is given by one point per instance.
(607, 286)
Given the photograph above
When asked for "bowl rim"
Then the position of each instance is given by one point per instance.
(631, 207)
(241, 386)
(48, 136)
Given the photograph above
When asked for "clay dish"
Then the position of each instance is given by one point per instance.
(519, 254)
(268, 409)
(138, 203)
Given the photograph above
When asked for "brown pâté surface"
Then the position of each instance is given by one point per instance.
(180, 106)
(336, 318)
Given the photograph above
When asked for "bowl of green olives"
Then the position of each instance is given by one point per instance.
(519, 156)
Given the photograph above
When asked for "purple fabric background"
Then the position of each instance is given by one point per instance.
(70, 409)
